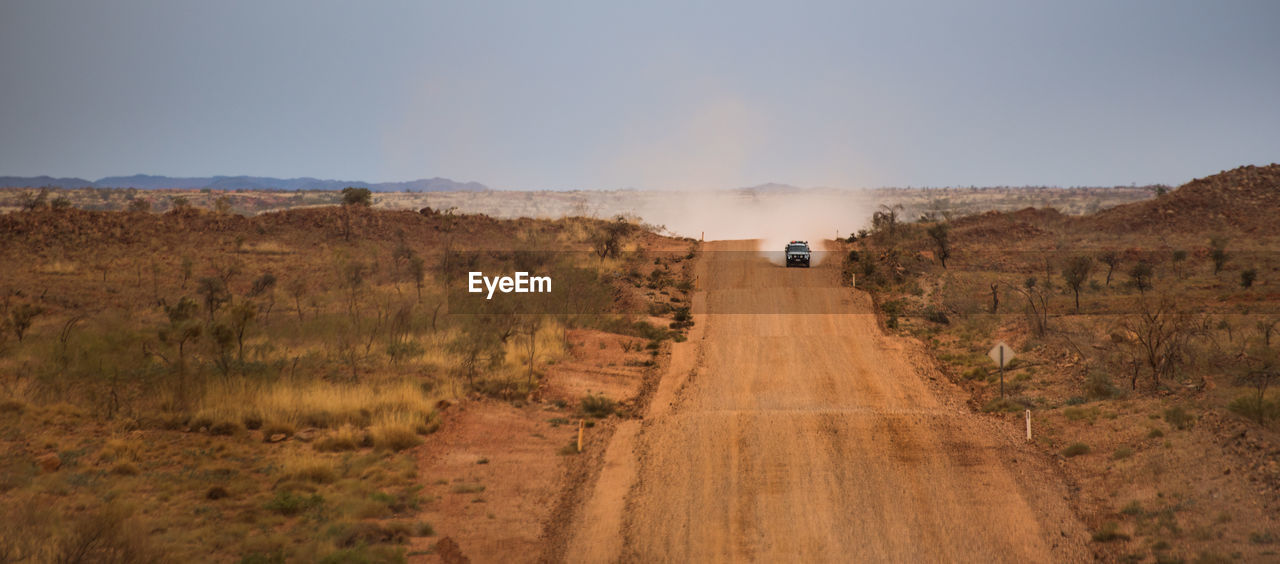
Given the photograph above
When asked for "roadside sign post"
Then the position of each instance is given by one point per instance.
(1002, 354)
(582, 425)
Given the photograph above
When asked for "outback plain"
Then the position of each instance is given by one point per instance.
(280, 376)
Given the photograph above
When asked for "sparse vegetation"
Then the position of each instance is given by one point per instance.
(597, 406)
(1189, 344)
(1075, 449)
(164, 327)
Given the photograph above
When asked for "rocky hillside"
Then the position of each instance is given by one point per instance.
(1244, 198)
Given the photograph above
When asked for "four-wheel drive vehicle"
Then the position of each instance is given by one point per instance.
(798, 254)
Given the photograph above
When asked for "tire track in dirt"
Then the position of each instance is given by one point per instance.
(800, 432)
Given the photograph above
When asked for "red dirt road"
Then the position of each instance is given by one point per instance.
(786, 436)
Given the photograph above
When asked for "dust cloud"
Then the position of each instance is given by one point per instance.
(774, 217)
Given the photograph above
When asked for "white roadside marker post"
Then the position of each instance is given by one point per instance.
(1028, 425)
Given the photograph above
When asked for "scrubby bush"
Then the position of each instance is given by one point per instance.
(1179, 418)
(1218, 253)
(1108, 532)
(353, 196)
(1075, 449)
(288, 503)
(1255, 408)
(936, 315)
(1099, 386)
(1009, 405)
(1247, 277)
(597, 406)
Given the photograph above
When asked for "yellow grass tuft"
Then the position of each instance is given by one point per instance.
(550, 348)
(346, 437)
(58, 268)
(398, 431)
(309, 467)
(118, 450)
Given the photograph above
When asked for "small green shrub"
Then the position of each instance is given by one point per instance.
(1008, 405)
(225, 428)
(1155, 434)
(1132, 509)
(1080, 414)
(1122, 453)
(1076, 449)
(467, 489)
(1249, 407)
(1110, 531)
(289, 504)
(598, 406)
(1178, 417)
(1099, 386)
(1247, 277)
(568, 449)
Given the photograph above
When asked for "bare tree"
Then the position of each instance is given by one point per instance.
(607, 241)
(1218, 253)
(242, 314)
(1140, 276)
(1075, 273)
(21, 317)
(939, 233)
(1037, 296)
(529, 326)
(298, 289)
(886, 219)
(214, 291)
(1159, 335)
(418, 272)
(1110, 258)
(1266, 328)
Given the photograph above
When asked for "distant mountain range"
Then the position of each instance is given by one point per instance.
(150, 182)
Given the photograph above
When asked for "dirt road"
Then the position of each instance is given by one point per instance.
(790, 429)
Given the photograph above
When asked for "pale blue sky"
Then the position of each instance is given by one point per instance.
(647, 94)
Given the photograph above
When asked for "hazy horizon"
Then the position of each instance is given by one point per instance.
(568, 96)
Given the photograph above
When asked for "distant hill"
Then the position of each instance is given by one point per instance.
(38, 181)
(1245, 198)
(151, 182)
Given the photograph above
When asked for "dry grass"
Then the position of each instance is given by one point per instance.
(268, 248)
(316, 404)
(58, 268)
(398, 431)
(346, 437)
(548, 349)
(118, 450)
(309, 467)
